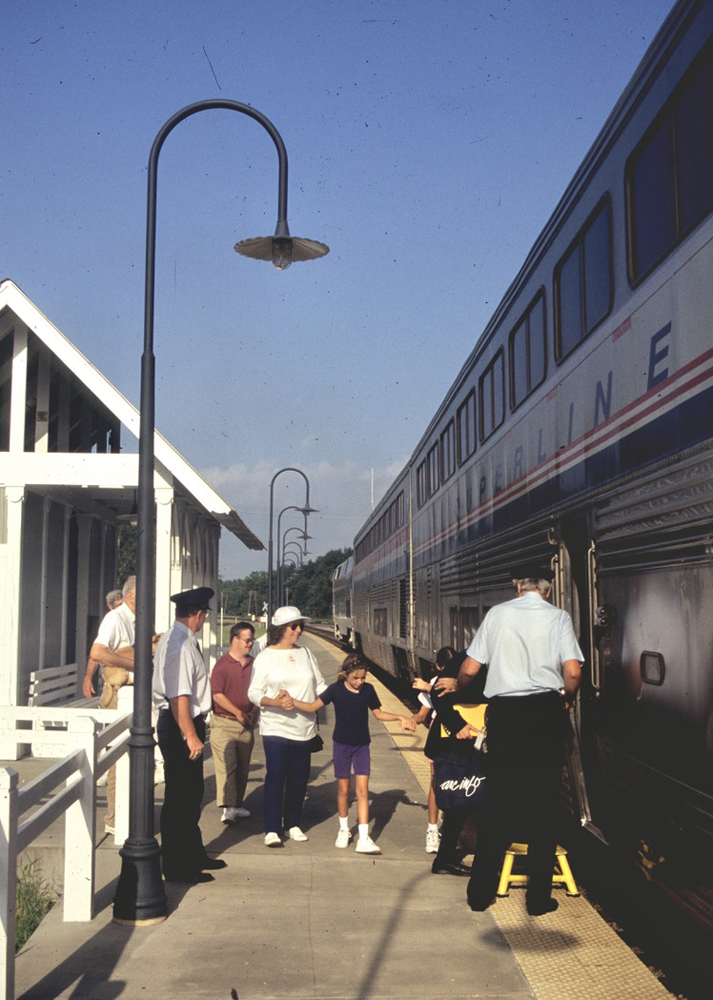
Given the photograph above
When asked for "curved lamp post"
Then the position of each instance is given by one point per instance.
(140, 896)
(305, 510)
(301, 552)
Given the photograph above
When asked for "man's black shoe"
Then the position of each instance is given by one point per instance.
(189, 878)
(213, 864)
(452, 869)
(539, 909)
(479, 905)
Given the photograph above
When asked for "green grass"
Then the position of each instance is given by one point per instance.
(35, 898)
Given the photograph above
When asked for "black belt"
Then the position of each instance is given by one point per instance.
(167, 711)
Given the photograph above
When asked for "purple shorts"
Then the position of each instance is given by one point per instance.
(344, 756)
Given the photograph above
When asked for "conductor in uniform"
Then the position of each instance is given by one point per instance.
(181, 693)
(534, 671)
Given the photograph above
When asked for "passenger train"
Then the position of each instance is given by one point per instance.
(580, 431)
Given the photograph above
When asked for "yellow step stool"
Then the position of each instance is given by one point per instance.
(562, 874)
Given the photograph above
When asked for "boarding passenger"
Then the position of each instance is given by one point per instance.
(352, 697)
(286, 733)
(446, 660)
(231, 727)
(181, 693)
(534, 671)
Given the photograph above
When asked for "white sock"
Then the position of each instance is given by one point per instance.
(343, 822)
(432, 827)
(363, 831)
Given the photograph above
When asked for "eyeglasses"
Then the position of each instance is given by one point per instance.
(295, 625)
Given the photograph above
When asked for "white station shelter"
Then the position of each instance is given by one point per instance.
(65, 490)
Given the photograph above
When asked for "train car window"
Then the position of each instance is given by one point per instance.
(465, 428)
(380, 621)
(421, 484)
(528, 353)
(652, 667)
(432, 470)
(694, 147)
(448, 451)
(583, 282)
(492, 396)
(669, 176)
(652, 185)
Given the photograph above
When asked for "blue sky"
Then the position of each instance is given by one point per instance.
(428, 140)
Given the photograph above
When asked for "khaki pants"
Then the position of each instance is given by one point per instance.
(232, 745)
(114, 678)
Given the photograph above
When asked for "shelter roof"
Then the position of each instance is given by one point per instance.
(14, 301)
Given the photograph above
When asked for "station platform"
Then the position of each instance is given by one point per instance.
(311, 921)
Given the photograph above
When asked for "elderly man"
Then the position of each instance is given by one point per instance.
(534, 671)
(113, 599)
(181, 692)
(231, 728)
(113, 649)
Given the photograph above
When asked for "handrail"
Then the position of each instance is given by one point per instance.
(93, 741)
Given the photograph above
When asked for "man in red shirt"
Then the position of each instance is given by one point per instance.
(231, 728)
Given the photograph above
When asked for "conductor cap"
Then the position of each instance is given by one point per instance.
(190, 601)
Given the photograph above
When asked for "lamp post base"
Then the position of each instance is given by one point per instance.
(140, 896)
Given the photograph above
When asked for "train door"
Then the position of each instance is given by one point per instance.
(575, 590)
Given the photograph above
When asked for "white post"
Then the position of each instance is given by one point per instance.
(121, 807)
(79, 829)
(8, 877)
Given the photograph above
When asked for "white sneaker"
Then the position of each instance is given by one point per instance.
(343, 838)
(365, 845)
(229, 815)
(109, 828)
(294, 833)
(241, 812)
(273, 840)
(433, 841)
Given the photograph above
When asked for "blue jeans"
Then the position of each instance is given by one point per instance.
(288, 764)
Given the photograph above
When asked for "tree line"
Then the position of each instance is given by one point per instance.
(309, 587)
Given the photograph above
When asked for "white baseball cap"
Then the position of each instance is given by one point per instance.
(283, 616)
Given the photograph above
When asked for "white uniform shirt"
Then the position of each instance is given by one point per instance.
(525, 642)
(179, 669)
(117, 628)
(295, 671)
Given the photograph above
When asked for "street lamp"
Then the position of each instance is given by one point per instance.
(140, 895)
(307, 509)
(284, 510)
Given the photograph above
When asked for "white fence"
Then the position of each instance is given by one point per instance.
(89, 742)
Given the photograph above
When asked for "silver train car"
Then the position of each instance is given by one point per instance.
(342, 615)
(580, 431)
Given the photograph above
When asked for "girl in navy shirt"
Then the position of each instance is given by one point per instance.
(352, 698)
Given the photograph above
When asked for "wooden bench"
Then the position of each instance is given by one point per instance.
(56, 686)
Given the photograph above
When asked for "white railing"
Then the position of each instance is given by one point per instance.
(92, 741)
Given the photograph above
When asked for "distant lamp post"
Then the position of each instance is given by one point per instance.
(281, 561)
(140, 896)
(306, 510)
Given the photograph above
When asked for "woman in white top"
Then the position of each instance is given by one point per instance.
(286, 732)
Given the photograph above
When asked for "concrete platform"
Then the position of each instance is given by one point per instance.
(311, 921)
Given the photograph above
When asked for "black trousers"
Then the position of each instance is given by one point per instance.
(181, 842)
(526, 752)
